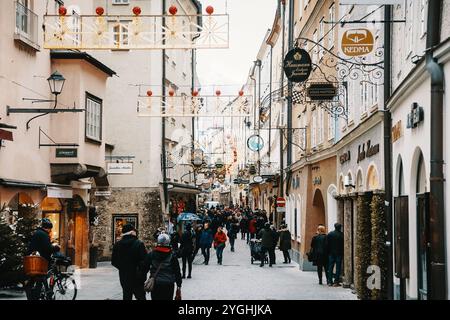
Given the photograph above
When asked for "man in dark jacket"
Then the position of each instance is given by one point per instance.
(335, 246)
(276, 237)
(266, 236)
(128, 256)
(285, 243)
(187, 249)
(40, 243)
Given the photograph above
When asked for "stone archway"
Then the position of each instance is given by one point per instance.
(372, 181)
(316, 215)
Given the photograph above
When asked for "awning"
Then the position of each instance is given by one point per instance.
(6, 135)
(21, 184)
(174, 187)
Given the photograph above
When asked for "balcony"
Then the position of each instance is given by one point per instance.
(26, 27)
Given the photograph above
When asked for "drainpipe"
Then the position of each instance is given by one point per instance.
(163, 122)
(290, 89)
(437, 284)
(387, 124)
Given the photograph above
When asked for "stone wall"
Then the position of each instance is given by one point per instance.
(145, 202)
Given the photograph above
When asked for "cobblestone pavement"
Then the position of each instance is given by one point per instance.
(236, 279)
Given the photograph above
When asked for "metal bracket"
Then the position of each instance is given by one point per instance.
(42, 111)
(55, 144)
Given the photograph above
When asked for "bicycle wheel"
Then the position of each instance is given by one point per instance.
(65, 289)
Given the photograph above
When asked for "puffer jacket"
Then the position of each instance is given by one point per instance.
(169, 271)
(206, 238)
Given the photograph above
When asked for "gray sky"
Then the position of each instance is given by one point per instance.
(249, 21)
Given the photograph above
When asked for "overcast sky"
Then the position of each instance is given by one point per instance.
(249, 22)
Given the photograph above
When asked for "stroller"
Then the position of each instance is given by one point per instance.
(255, 251)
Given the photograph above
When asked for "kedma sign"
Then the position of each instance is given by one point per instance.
(297, 65)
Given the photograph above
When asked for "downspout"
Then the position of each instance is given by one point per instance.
(290, 88)
(163, 121)
(281, 188)
(387, 124)
(437, 285)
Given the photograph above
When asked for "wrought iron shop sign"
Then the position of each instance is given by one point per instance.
(322, 91)
(297, 65)
(66, 153)
(357, 42)
(371, 151)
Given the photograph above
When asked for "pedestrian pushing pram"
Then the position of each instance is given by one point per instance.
(256, 251)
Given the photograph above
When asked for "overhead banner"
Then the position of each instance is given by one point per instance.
(371, 2)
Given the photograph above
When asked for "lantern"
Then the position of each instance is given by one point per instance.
(171, 93)
(62, 11)
(241, 93)
(149, 93)
(56, 82)
(218, 92)
(195, 93)
(100, 11)
(173, 10)
(209, 10)
(137, 11)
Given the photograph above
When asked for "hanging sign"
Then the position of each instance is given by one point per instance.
(258, 179)
(120, 168)
(297, 65)
(66, 153)
(255, 143)
(371, 2)
(6, 135)
(357, 42)
(322, 91)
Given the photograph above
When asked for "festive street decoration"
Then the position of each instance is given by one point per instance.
(136, 31)
(194, 106)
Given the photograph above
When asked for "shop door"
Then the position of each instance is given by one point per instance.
(401, 230)
(423, 245)
(81, 240)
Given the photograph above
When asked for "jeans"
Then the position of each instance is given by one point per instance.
(287, 257)
(332, 260)
(163, 291)
(264, 251)
(219, 253)
(232, 240)
(187, 257)
(206, 253)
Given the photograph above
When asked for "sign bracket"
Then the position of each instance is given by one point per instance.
(54, 144)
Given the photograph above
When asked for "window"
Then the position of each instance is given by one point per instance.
(331, 127)
(320, 127)
(315, 47)
(330, 30)
(423, 17)
(121, 33)
(314, 129)
(120, 1)
(321, 36)
(93, 118)
(26, 22)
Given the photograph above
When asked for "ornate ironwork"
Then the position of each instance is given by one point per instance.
(128, 32)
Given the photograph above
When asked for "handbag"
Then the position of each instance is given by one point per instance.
(149, 285)
(178, 294)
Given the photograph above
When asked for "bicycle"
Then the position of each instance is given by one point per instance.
(57, 284)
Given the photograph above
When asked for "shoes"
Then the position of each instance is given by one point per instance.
(320, 281)
(189, 276)
(336, 285)
(270, 265)
(329, 284)
(261, 265)
(184, 276)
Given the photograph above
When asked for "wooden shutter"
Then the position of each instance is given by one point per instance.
(401, 230)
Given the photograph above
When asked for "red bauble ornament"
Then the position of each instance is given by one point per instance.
(137, 11)
(100, 11)
(209, 10)
(241, 93)
(218, 92)
(149, 93)
(171, 93)
(195, 93)
(62, 11)
(173, 10)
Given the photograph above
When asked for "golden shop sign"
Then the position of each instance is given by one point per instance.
(357, 42)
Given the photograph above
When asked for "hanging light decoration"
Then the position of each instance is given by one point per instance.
(137, 11)
(62, 11)
(173, 10)
(149, 93)
(99, 11)
(210, 10)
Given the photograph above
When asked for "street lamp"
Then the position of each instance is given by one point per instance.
(56, 82)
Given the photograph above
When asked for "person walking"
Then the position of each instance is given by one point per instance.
(220, 239)
(198, 232)
(276, 237)
(232, 232)
(335, 241)
(187, 249)
(252, 228)
(206, 240)
(128, 256)
(266, 236)
(164, 268)
(318, 253)
(244, 226)
(285, 243)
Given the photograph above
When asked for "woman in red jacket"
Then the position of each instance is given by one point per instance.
(252, 227)
(219, 243)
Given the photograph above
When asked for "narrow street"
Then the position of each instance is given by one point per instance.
(236, 279)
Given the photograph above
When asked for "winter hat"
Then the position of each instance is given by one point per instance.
(46, 223)
(163, 240)
(127, 228)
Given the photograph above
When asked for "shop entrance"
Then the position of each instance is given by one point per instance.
(318, 209)
(78, 233)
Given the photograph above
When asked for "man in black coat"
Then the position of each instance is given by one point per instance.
(40, 243)
(128, 256)
(335, 246)
(186, 249)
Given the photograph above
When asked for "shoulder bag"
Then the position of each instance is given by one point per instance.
(149, 285)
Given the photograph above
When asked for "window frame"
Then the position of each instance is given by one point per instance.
(88, 138)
